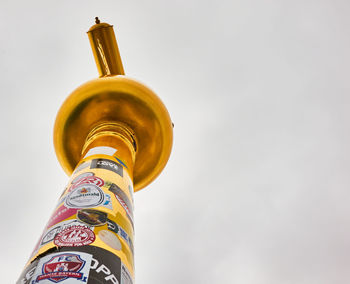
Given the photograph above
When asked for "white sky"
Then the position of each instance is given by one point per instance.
(257, 188)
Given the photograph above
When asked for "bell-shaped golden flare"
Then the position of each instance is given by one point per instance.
(114, 105)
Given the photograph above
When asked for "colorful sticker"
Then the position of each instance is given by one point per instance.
(86, 180)
(79, 221)
(51, 233)
(61, 214)
(75, 236)
(73, 267)
(105, 266)
(92, 217)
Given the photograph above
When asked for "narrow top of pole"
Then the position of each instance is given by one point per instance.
(105, 49)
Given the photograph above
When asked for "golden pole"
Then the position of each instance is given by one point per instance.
(113, 136)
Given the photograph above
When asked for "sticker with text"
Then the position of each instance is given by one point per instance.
(52, 232)
(107, 165)
(70, 267)
(74, 236)
(87, 196)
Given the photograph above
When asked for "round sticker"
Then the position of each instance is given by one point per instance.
(85, 195)
(110, 239)
(92, 217)
(74, 236)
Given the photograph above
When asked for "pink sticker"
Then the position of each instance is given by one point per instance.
(61, 214)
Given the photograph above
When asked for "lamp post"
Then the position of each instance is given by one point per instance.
(113, 136)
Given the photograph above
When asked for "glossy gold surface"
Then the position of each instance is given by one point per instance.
(115, 99)
(117, 106)
(105, 49)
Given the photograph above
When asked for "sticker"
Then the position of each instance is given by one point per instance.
(107, 165)
(110, 239)
(130, 187)
(52, 232)
(85, 195)
(75, 236)
(77, 178)
(88, 180)
(125, 276)
(27, 273)
(60, 214)
(107, 203)
(92, 217)
(131, 191)
(123, 199)
(105, 266)
(73, 267)
(112, 226)
(104, 150)
(82, 166)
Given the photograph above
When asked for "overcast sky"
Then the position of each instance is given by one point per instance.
(257, 187)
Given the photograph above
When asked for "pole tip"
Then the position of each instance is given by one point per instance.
(97, 20)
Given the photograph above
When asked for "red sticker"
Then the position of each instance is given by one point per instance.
(75, 236)
(88, 180)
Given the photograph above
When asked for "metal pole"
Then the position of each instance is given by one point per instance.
(113, 136)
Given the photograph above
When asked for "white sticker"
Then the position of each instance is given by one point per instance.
(101, 150)
(71, 267)
(110, 239)
(85, 196)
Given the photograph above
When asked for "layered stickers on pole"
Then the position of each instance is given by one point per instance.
(70, 267)
(85, 192)
(117, 229)
(105, 267)
(52, 232)
(79, 220)
(123, 200)
(88, 265)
